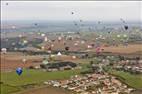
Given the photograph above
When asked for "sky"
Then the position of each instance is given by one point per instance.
(61, 10)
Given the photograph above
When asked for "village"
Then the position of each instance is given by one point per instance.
(92, 84)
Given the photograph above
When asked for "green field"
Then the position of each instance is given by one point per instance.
(13, 82)
(7, 89)
(133, 80)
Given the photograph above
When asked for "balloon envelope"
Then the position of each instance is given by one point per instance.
(126, 27)
(19, 71)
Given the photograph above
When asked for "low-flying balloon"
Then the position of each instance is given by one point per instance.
(4, 50)
(42, 34)
(19, 71)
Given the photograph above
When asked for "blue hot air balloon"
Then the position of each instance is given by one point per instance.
(19, 71)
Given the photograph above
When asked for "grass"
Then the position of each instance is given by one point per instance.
(133, 80)
(12, 81)
(35, 76)
(7, 89)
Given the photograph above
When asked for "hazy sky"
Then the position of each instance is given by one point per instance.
(61, 10)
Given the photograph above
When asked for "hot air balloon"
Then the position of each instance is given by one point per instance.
(80, 20)
(72, 12)
(23, 60)
(73, 57)
(7, 4)
(59, 39)
(126, 27)
(4, 50)
(35, 24)
(67, 48)
(19, 71)
(42, 34)
(99, 22)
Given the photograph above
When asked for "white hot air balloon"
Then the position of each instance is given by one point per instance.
(4, 50)
(42, 34)
(23, 60)
(25, 41)
(89, 46)
(73, 57)
(75, 44)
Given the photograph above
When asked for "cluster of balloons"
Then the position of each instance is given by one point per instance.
(98, 49)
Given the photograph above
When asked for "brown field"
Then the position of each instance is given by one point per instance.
(12, 60)
(131, 48)
(124, 49)
(46, 90)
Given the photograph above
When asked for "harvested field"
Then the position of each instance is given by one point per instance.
(11, 61)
